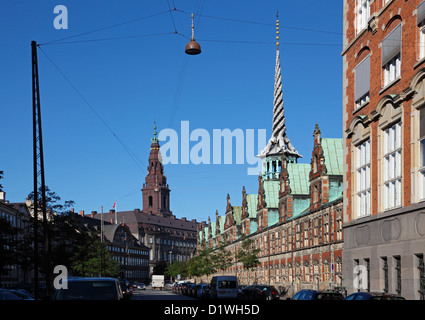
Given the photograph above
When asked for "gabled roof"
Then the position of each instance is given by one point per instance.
(299, 177)
(252, 200)
(237, 214)
(271, 190)
(333, 152)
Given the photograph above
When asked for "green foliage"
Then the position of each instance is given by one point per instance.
(93, 259)
(177, 268)
(222, 258)
(248, 255)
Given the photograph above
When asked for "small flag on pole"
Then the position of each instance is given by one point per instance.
(114, 204)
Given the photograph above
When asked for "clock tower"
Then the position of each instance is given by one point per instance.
(155, 191)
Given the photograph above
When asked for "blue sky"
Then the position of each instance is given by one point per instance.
(141, 74)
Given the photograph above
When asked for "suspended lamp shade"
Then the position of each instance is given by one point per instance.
(193, 47)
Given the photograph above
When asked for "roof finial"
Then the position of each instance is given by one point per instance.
(277, 30)
(154, 139)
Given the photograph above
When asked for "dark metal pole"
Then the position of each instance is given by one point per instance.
(34, 128)
(39, 172)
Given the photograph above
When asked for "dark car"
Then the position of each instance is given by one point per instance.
(191, 290)
(308, 294)
(183, 288)
(90, 289)
(252, 292)
(387, 296)
(8, 295)
(362, 295)
(25, 295)
(200, 290)
(270, 291)
(205, 292)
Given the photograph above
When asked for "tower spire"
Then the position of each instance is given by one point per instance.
(279, 142)
(154, 139)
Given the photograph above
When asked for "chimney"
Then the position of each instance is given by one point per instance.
(2, 196)
(93, 213)
(72, 210)
(194, 220)
(184, 218)
(136, 210)
(111, 211)
(82, 213)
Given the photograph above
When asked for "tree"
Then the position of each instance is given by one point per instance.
(222, 258)
(248, 255)
(92, 258)
(176, 268)
(207, 266)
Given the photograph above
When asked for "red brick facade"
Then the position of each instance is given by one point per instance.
(383, 19)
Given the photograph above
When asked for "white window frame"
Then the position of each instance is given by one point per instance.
(392, 166)
(363, 182)
(362, 101)
(422, 41)
(392, 70)
(362, 14)
(421, 159)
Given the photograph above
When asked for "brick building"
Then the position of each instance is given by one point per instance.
(155, 226)
(294, 219)
(384, 145)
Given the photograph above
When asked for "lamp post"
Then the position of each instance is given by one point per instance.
(171, 277)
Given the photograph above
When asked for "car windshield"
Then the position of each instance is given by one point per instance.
(307, 295)
(227, 284)
(89, 290)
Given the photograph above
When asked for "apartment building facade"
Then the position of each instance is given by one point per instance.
(384, 146)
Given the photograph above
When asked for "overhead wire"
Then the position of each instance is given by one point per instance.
(105, 28)
(183, 70)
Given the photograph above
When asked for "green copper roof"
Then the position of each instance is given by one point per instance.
(213, 228)
(252, 200)
(237, 214)
(271, 189)
(222, 220)
(333, 152)
(299, 177)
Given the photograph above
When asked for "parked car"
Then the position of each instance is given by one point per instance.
(8, 295)
(25, 295)
(270, 292)
(190, 289)
(308, 294)
(200, 289)
(183, 288)
(90, 289)
(141, 286)
(252, 292)
(387, 296)
(224, 287)
(177, 288)
(362, 295)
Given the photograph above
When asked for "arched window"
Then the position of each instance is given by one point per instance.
(150, 201)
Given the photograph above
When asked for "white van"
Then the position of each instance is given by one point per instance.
(224, 287)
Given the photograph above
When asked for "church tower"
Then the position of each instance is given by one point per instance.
(279, 143)
(156, 194)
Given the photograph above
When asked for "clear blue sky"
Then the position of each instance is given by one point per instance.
(126, 83)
